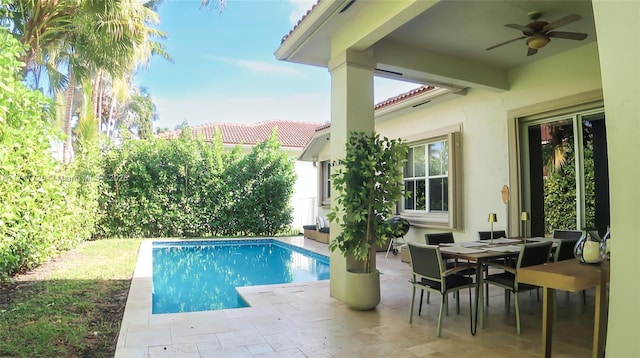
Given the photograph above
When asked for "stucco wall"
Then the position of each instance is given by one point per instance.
(305, 195)
(485, 140)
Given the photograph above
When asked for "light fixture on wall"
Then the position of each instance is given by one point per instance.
(524, 217)
(315, 161)
(492, 219)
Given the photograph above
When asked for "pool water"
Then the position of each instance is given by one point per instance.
(203, 275)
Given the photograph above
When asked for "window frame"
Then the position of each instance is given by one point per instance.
(451, 219)
(325, 183)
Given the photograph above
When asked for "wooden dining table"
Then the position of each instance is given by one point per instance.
(570, 275)
(480, 252)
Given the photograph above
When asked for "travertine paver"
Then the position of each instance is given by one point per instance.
(302, 320)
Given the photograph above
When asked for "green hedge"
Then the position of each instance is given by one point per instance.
(187, 187)
(43, 206)
(149, 188)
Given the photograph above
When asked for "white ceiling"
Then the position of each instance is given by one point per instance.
(445, 42)
(466, 28)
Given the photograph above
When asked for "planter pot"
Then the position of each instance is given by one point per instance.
(363, 290)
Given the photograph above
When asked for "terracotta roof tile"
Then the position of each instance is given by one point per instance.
(388, 102)
(290, 133)
(285, 37)
(402, 97)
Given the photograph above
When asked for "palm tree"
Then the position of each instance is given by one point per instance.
(213, 4)
(73, 41)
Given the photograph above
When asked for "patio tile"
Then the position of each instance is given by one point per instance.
(175, 351)
(303, 320)
(240, 338)
(279, 341)
(235, 352)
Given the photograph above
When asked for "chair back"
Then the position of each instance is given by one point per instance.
(534, 254)
(564, 250)
(426, 261)
(566, 234)
(439, 238)
(486, 235)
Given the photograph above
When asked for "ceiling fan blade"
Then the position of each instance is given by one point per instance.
(506, 42)
(567, 35)
(524, 29)
(561, 22)
(531, 51)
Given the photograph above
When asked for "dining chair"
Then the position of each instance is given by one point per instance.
(566, 234)
(564, 251)
(486, 235)
(530, 254)
(430, 274)
(439, 238)
(445, 238)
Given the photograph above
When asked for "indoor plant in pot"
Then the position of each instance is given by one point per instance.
(369, 183)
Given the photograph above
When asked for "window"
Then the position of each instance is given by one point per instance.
(426, 177)
(325, 182)
(565, 172)
(430, 181)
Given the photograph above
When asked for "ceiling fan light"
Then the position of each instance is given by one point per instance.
(538, 41)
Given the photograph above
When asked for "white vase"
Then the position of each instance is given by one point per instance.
(363, 290)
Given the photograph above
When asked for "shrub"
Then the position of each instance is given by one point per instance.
(42, 204)
(187, 187)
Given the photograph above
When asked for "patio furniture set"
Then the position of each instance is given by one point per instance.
(442, 266)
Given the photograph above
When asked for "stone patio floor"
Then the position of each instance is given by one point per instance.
(302, 320)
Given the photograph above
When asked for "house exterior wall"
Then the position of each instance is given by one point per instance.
(488, 138)
(304, 200)
(484, 114)
(619, 44)
(305, 197)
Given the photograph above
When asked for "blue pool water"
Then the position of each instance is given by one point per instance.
(203, 275)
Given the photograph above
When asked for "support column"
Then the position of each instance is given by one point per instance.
(618, 32)
(351, 110)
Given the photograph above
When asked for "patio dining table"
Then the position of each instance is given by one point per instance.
(481, 252)
(570, 275)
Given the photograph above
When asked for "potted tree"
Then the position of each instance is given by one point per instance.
(369, 183)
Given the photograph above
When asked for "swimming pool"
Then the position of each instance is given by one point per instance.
(191, 276)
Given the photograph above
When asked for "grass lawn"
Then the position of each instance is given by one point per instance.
(71, 306)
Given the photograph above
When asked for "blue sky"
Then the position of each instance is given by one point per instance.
(225, 69)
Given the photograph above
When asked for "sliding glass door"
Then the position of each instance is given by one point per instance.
(565, 172)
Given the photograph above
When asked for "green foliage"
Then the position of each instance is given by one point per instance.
(188, 188)
(42, 204)
(560, 192)
(74, 310)
(369, 182)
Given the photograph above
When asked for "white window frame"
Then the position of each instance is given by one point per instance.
(452, 218)
(325, 183)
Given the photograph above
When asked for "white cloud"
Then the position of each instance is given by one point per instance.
(257, 66)
(300, 8)
(304, 107)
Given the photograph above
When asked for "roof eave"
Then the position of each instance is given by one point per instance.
(431, 97)
(312, 149)
(307, 28)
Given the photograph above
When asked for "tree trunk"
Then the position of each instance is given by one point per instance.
(96, 99)
(110, 119)
(68, 114)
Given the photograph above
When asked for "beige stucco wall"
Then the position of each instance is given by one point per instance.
(619, 34)
(483, 115)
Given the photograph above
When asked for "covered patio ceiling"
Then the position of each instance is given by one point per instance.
(435, 42)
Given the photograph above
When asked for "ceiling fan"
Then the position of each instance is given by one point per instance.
(539, 33)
